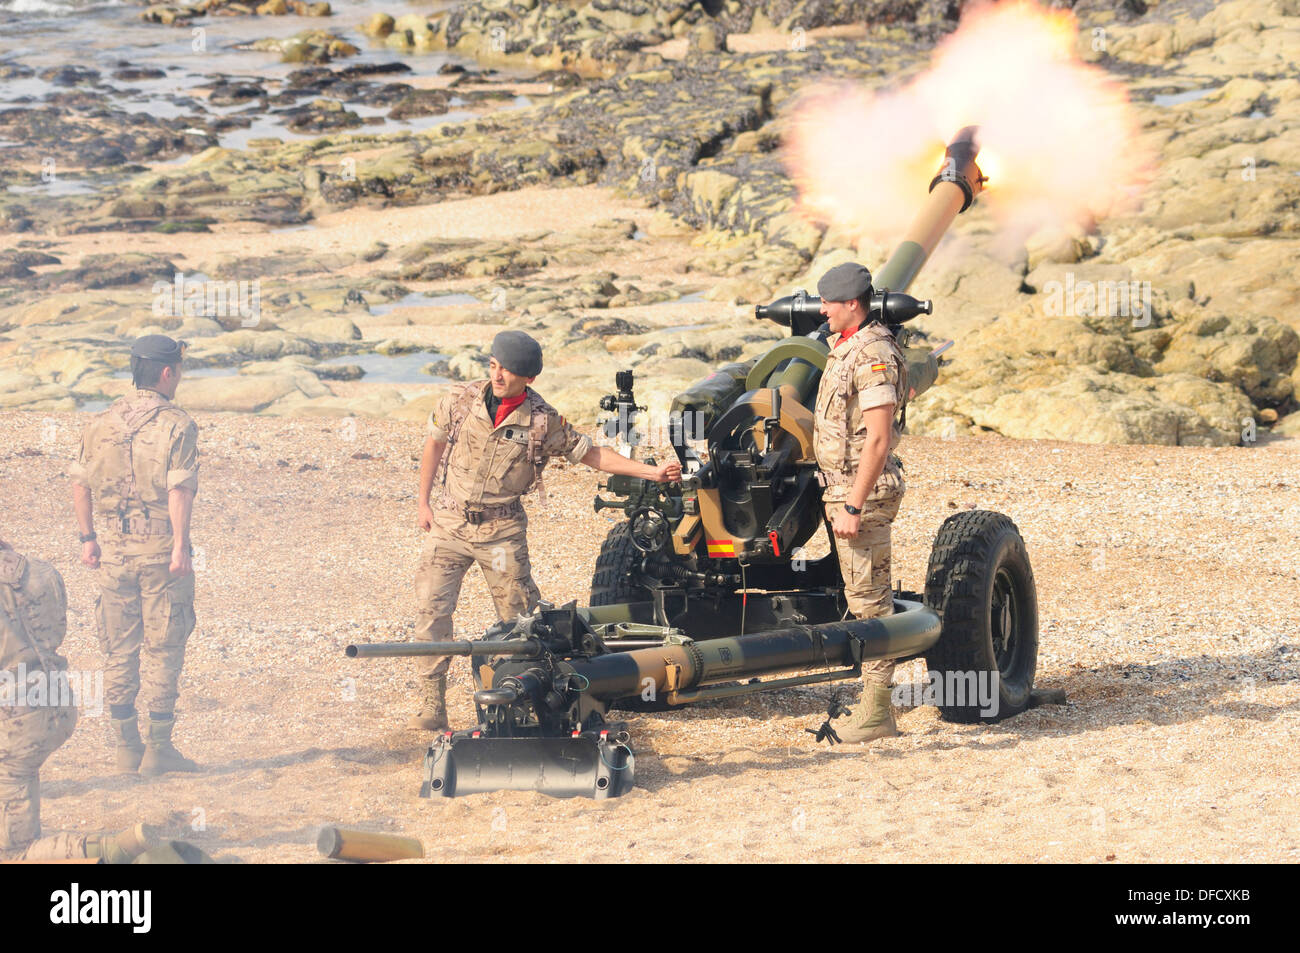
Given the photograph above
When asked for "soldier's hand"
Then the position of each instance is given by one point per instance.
(426, 517)
(181, 564)
(668, 472)
(90, 554)
(845, 524)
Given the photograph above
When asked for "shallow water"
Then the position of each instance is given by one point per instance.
(1187, 96)
(108, 36)
(417, 299)
(394, 368)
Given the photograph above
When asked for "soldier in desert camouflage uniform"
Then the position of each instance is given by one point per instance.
(855, 432)
(33, 621)
(487, 445)
(140, 459)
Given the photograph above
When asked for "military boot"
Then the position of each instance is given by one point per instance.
(130, 748)
(433, 716)
(873, 718)
(160, 756)
(123, 847)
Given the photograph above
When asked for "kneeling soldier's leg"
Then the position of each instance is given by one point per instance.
(27, 738)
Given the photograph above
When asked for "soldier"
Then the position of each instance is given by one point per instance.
(33, 621)
(487, 445)
(140, 458)
(854, 435)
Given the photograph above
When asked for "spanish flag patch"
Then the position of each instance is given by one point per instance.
(721, 548)
(878, 368)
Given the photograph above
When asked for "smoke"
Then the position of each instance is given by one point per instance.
(1058, 139)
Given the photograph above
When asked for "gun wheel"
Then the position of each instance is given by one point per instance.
(611, 581)
(980, 582)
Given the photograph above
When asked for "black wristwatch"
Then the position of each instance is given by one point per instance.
(853, 510)
(88, 537)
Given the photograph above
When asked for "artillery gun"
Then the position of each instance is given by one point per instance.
(703, 593)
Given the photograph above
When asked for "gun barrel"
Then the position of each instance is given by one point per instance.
(951, 192)
(677, 667)
(519, 648)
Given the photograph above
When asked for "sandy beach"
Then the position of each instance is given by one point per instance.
(1167, 593)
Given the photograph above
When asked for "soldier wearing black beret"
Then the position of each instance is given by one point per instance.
(139, 464)
(487, 444)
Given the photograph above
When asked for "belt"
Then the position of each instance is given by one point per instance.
(143, 526)
(474, 515)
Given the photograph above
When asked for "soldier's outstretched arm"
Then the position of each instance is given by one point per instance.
(84, 508)
(180, 504)
(607, 461)
(433, 451)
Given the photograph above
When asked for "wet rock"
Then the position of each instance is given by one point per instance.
(29, 257)
(420, 102)
(338, 372)
(170, 15)
(130, 74)
(467, 365)
(333, 329)
(233, 92)
(70, 75)
(319, 9)
(322, 115)
(379, 26)
(110, 271)
(310, 46)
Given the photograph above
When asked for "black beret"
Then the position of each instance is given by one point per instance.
(518, 353)
(846, 282)
(158, 347)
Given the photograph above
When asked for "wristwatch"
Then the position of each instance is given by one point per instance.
(88, 537)
(853, 510)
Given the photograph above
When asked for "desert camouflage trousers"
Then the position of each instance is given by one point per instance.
(145, 616)
(865, 566)
(500, 547)
(28, 736)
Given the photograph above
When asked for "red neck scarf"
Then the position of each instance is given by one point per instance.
(845, 335)
(508, 404)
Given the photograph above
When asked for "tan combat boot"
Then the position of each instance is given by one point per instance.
(873, 718)
(125, 846)
(130, 749)
(160, 756)
(433, 716)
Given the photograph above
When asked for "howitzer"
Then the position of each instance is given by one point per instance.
(544, 706)
(704, 590)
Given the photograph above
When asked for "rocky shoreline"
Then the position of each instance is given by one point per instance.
(651, 211)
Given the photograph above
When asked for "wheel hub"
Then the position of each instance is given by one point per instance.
(1003, 618)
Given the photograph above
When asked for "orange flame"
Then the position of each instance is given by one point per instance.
(1058, 140)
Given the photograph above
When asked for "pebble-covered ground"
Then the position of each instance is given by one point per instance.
(1168, 596)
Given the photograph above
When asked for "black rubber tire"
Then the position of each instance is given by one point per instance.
(980, 582)
(618, 557)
